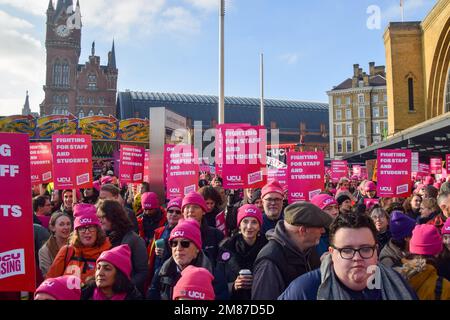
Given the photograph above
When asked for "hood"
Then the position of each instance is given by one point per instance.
(416, 271)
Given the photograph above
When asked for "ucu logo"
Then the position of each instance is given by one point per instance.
(62, 180)
(86, 220)
(385, 188)
(297, 194)
(174, 190)
(234, 178)
(328, 201)
(178, 234)
(253, 211)
(196, 295)
(49, 284)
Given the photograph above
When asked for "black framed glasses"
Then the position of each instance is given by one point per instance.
(273, 200)
(365, 252)
(86, 229)
(184, 243)
(174, 211)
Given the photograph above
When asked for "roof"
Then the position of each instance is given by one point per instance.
(374, 81)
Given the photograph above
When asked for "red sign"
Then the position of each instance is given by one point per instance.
(41, 162)
(279, 175)
(243, 156)
(447, 162)
(436, 165)
(17, 261)
(339, 170)
(182, 170)
(305, 175)
(147, 166)
(72, 161)
(394, 173)
(131, 164)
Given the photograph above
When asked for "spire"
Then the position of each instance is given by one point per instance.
(93, 49)
(112, 57)
(50, 5)
(26, 107)
(61, 7)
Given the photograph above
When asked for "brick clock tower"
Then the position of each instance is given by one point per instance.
(80, 89)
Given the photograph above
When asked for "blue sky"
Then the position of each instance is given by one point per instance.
(172, 45)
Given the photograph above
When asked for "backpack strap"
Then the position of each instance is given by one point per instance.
(438, 289)
(68, 256)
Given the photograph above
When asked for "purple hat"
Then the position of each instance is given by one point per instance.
(401, 226)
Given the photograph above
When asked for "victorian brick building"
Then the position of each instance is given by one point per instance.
(80, 89)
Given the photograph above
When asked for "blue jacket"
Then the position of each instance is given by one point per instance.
(324, 244)
(270, 224)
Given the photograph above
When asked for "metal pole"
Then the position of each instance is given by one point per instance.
(262, 91)
(221, 62)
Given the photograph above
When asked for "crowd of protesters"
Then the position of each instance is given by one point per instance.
(115, 242)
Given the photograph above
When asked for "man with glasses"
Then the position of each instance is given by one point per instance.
(272, 195)
(290, 251)
(42, 209)
(351, 270)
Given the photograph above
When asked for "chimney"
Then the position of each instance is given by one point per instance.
(372, 68)
(355, 70)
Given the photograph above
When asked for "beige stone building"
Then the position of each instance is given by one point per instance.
(358, 111)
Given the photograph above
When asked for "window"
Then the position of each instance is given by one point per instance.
(362, 128)
(385, 111)
(385, 125)
(81, 100)
(339, 130)
(362, 143)
(375, 112)
(65, 99)
(349, 129)
(348, 113)
(385, 97)
(90, 100)
(338, 115)
(361, 83)
(362, 113)
(411, 94)
(92, 82)
(349, 146)
(348, 101)
(375, 98)
(338, 101)
(361, 98)
(81, 114)
(100, 113)
(101, 101)
(65, 74)
(339, 146)
(376, 128)
(91, 113)
(57, 72)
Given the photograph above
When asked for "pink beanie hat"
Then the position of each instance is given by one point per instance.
(149, 200)
(194, 198)
(428, 181)
(446, 227)
(323, 200)
(61, 288)
(188, 229)
(425, 240)
(195, 283)
(97, 185)
(176, 202)
(106, 180)
(249, 210)
(85, 215)
(120, 257)
(370, 186)
(272, 187)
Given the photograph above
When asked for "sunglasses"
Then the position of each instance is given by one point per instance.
(184, 243)
(174, 211)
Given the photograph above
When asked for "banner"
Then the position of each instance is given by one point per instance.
(279, 175)
(72, 161)
(394, 173)
(131, 168)
(182, 170)
(415, 161)
(447, 162)
(243, 156)
(146, 166)
(56, 125)
(41, 162)
(305, 175)
(435, 165)
(424, 170)
(18, 124)
(339, 170)
(134, 129)
(99, 127)
(17, 260)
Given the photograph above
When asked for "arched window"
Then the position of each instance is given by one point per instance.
(57, 70)
(411, 94)
(65, 73)
(81, 114)
(447, 95)
(100, 113)
(91, 113)
(65, 99)
(92, 81)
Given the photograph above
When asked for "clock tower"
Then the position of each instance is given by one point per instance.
(63, 45)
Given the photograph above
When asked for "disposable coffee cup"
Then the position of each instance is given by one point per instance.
(245, 272)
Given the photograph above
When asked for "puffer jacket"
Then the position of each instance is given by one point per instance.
(424, 279)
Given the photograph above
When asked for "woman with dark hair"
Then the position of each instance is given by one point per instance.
(213, 202)
(91, 195)
(112, 277)
(117, 226)
(444, 257)
(412, 206)
(86, 244)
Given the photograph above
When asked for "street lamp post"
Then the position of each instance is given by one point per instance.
(221, 62)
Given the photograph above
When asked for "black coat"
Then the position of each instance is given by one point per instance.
(211, 239)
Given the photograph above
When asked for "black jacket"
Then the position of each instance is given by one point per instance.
(87, 292)
(211, 238)
(234, 255)
(279, 263)
(210, 217)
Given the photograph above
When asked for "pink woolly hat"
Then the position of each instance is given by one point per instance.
(61, 288)
(176, 202)
(195, 283)
(425, 240)
(106, 180)
(323, 200)
(272, 187)
(429, 180)
(249, 210)
(194, 198)
(85, 215)
(370, 186)
(446, 227)
(149, 200)
(97, 185)
(188, 229)
(120, 257)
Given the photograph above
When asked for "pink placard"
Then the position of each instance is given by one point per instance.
(146, 166)
(305, 175)
(131, 164)
(17, 260)
(182, 170)
(279, 175)
(41, 162)
(435, 165)
(72, 161)
(447, 162)
(424, 170)
(339, 170)
(393, 173)
(244, 156)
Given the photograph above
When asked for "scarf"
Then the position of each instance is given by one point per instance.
(392, 286)
(98, 295)
(246, 254)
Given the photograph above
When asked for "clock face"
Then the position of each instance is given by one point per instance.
(62, 31)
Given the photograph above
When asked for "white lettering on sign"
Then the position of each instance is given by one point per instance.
(14, 211)
(8, 170)
(5, 150)
(12, 263)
